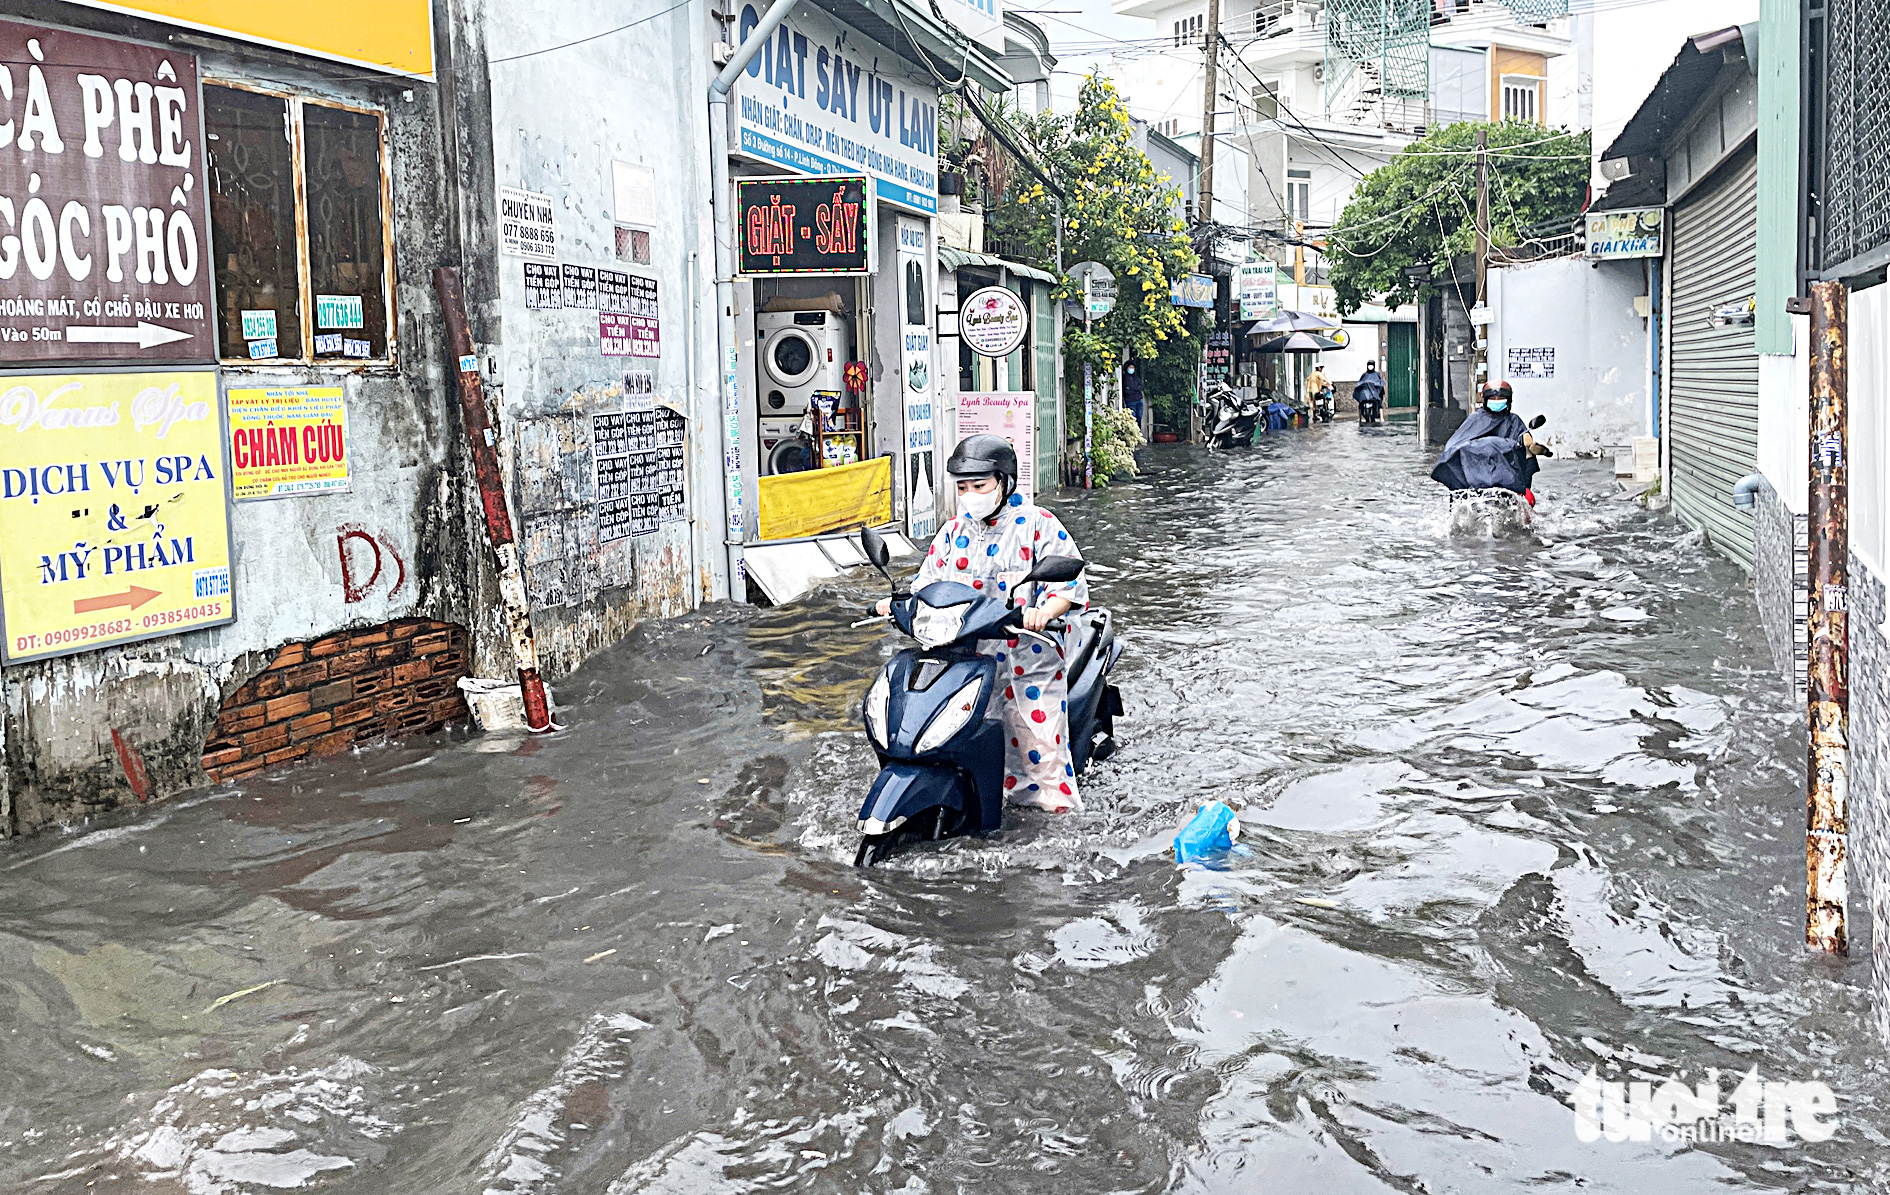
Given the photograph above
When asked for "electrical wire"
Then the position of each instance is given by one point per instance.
(593, 37)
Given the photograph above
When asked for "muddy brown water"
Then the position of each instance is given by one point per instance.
(1516, 808)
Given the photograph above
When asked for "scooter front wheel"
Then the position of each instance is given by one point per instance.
(874, 848)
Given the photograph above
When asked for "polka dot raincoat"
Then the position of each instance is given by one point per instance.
(1034, 699)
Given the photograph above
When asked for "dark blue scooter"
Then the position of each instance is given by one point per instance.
(932, 718)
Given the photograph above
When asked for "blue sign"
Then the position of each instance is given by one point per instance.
(1193, 290)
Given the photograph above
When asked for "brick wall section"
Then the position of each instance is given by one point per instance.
(323, 697)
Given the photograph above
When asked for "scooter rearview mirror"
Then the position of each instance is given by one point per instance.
(1057, 570)
(1537, 422)
(875, 548)
(877, 553)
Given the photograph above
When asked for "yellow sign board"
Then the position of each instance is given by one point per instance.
(114, 513)
(389, 35)
(287, 442)
(790, 505)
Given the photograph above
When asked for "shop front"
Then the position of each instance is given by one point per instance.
(833, 152)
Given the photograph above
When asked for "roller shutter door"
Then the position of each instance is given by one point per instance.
(1713, 416)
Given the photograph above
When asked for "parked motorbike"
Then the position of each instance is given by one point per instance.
(1228, 418)
(932, 714)
(1322, 407)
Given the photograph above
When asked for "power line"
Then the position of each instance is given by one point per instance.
(593, 37)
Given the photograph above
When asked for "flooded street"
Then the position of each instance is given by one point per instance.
(1515, 808)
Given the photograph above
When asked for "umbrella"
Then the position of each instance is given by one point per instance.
(1298, 342)
(1291, 321)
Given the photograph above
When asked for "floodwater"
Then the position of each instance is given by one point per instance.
(1515, 808)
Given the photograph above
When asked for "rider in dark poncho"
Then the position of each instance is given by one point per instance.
(1492, 450)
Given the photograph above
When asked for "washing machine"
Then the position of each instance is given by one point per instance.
(801, 352)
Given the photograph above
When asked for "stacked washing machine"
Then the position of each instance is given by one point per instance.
(802, 353)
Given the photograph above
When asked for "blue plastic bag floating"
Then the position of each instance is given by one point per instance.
(1210, 831)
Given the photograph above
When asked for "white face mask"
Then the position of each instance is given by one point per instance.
(978, 506)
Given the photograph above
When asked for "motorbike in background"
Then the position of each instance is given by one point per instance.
(932, 715)
(1371, 405)
(1227, 419)
(1322, 406)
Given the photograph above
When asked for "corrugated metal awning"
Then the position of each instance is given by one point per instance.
(954, 259)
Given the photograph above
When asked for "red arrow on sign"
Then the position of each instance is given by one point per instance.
(134, 597)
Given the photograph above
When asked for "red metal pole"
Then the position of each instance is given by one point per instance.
(485, 458)
(1827, 683)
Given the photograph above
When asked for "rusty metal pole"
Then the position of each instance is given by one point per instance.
(1827, 683)
(485, 458)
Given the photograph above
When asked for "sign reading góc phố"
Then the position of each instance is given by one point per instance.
(115, 509)
(821, 98)
(805, 225)
(992, 320)
(104, 249)
(287, 442)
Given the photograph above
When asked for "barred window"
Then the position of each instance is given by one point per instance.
(1851, 156)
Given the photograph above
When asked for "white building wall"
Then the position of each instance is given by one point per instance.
(1598, 396)
(1868, 407)
(1784, 384)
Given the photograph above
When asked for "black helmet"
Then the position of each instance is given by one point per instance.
(984, 455)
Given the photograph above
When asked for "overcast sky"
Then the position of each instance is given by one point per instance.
(1634, 42)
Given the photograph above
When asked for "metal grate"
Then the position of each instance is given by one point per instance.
(1856, 144)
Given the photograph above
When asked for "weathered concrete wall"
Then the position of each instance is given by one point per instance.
(1598, 396)
(560, 121)
(406, 504)
(1869, 798)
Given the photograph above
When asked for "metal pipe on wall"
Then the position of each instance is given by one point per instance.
(726, 332)
(1827, 681)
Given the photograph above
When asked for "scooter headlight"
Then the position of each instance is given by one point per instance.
(951, 719)
(935, 626)
(877, 698)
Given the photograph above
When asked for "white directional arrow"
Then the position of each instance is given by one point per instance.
(144, 335)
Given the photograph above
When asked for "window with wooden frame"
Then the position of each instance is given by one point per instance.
(301, 227)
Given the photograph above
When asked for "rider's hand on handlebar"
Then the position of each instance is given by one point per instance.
(883, 607)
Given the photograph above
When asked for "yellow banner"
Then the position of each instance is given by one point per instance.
(391, 35)
(114, 520)
(285, 442)
(790, 505)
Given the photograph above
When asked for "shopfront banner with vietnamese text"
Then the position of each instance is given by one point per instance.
(115, 509)
(288, 442)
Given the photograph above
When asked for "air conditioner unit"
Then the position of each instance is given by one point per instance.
(1319, 73)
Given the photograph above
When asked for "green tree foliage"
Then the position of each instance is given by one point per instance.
(1116, 210)
(1420, 208)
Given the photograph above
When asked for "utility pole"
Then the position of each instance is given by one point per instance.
(1827, 668)
(1211, 47)
(1480, 333)
(1299, 256)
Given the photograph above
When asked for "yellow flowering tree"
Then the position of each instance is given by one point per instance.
(1116, 210)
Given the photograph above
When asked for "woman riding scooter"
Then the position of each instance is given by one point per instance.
(991, 545)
